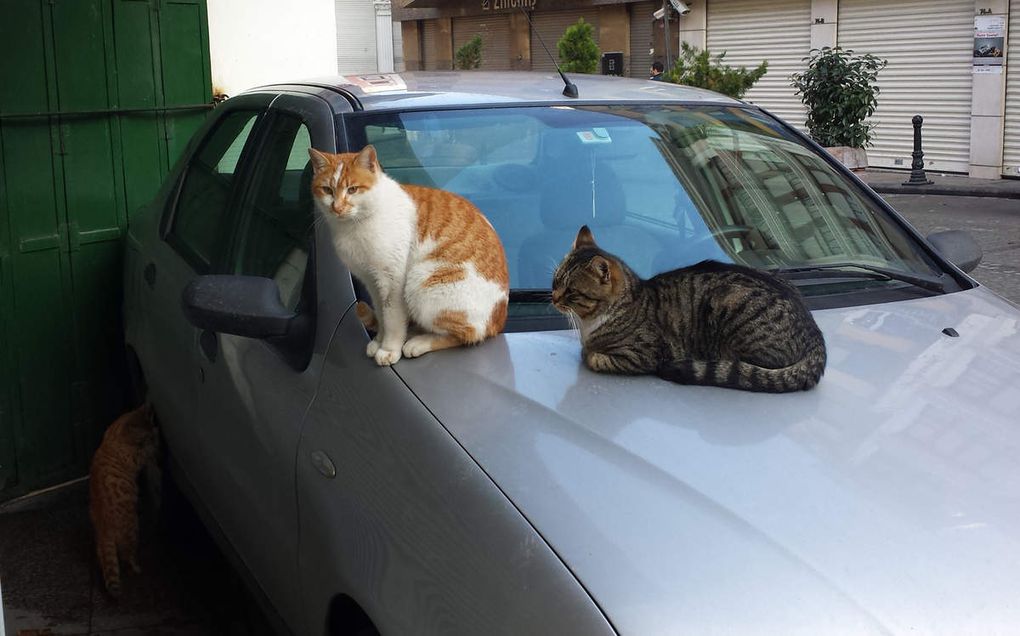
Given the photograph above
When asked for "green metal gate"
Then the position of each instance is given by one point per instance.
(97, 99)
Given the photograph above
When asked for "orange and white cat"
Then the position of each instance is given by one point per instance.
(427, 257)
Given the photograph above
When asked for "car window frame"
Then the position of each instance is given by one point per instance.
(317, 116)
(258, 104)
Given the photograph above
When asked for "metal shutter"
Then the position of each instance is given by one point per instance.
(495, 32)
(355, 37)
(929, 45)
(754, 30)
(551, 25)
(1011, 140)
(641, 38)
(429, 38)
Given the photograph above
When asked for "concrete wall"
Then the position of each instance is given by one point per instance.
(254, 42)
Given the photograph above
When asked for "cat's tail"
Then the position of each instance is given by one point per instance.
(366, 316)
(106, 550)
(799, 376)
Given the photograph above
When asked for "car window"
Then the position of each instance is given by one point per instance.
(198, 230)
(277, 217)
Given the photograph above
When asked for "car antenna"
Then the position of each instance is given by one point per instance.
(569, 88)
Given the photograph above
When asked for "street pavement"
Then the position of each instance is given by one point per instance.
(993, 222)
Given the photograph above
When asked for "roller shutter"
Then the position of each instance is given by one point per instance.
(495, 32)
(1011, 140)
(751, 31)
(641, 38)
(355, 37)
(551, 25)
(429, 37)
(929, 45)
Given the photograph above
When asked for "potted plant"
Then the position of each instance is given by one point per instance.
(577, 48)
(840, 91)
(469, 56)
(699, 68)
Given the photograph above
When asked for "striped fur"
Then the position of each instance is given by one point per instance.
(429, 258)
(128, 445)
(712, 324)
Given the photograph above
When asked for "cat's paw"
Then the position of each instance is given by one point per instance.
(385, 357)
(417, 346)
(373, 348)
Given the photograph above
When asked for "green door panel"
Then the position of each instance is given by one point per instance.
(23, 86)
(143, 144)
(70, 177)
(184, 47)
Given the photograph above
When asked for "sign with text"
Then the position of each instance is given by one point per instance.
(508, 5)
(989, 36)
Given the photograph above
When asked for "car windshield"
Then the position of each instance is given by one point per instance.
(661, 186)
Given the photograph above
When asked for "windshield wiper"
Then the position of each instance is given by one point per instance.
(871, 271)
(530, 296)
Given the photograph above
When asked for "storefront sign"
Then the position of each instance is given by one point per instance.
(989, 36)
(508, 5)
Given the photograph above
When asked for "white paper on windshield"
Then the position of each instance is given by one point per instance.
(594, 136)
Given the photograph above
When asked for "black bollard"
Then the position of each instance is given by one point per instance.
(917, 175)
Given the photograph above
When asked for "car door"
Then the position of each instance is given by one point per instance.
(253, 393)
(192, 237)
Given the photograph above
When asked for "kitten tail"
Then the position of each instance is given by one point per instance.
(366, 316)
(800, 376)
(106, 550)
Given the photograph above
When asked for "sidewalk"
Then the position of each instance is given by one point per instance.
(891, 182)
(52, 585)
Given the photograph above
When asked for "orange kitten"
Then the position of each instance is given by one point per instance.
(427, 256)
(128, 445)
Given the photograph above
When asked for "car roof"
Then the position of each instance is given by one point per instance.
(429, 89)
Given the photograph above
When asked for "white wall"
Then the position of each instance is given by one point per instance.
(254, 42)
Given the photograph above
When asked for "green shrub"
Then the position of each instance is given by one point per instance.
(696, 67)
(577, 49)
(839, 91)
(469, 56)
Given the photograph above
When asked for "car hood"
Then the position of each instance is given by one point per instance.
(887, 499)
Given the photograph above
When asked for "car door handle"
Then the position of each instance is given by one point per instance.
(150, 275)
(209, 344)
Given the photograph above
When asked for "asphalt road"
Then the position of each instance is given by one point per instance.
(994, 223)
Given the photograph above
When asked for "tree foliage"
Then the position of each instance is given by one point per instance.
(577, 49)
(697, 67)
(469, 56)
(840, 91)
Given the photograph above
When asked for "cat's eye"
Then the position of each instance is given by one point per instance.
(327, 190)
(352, 189)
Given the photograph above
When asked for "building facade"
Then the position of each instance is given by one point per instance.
(948, 61)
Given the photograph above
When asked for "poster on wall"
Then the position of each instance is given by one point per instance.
(989, 36)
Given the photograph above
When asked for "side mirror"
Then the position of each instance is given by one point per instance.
(958, 247)
(241, 305)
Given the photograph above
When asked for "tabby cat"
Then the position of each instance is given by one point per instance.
(428, 257)
(128, 445)
(710, 324)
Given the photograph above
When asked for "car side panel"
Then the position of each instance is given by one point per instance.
(410, 527)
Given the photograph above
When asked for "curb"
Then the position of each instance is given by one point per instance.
(944, 190)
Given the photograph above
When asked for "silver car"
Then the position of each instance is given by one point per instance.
(506, 489)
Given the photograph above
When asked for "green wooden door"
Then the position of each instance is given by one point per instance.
(100, 100)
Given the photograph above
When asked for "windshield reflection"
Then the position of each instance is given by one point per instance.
(660, 186)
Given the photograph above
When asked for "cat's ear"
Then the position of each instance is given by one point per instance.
(367, 159)
(584, 238)
(319, 159)
(602, 268)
